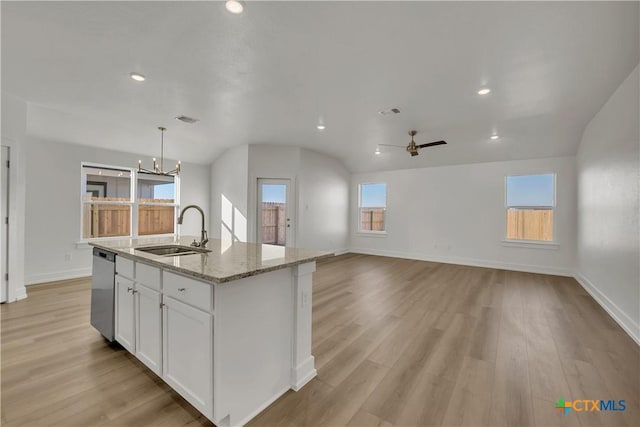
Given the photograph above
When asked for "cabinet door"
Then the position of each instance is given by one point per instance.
(148, 328)
(187, 353)
(125, 334)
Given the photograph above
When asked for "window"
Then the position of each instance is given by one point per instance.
(372, 207)
(122, 202)
(530, 207)
(156, 204)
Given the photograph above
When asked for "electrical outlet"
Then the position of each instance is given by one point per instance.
(68, 256)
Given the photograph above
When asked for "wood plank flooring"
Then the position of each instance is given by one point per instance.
(397, 343)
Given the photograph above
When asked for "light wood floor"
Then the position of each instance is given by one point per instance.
(397, 342)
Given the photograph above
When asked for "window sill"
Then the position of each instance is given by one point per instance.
(530, 244)
(371, 234)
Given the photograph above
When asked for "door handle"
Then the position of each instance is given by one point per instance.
(129, 289)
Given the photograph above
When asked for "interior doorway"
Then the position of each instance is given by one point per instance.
(275, 213)
(4, 227)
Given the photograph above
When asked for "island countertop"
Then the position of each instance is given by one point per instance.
(225, 262)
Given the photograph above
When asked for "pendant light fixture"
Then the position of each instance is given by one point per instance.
(158, 169)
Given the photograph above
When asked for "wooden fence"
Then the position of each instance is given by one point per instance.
(106, 220)
(156, 219)
(372, 219)
(530, 224)
(274, 223)
(115, 220)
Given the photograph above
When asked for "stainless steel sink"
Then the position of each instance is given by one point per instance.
(173, 250)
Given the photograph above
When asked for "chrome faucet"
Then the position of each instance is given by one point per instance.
(203, 233)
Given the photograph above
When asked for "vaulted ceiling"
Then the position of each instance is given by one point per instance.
(272, 74)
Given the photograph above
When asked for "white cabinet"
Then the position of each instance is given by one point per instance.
(187, 353)
(148, 332)
(165, 320)
(125, 332)
(139, 322)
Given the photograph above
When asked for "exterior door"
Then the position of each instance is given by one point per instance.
(275, 212)
(4, 224)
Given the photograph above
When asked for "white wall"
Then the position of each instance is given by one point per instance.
(14, 124)
(53, 205)
(229, 175)
(457, 214)
(608, 232)
(323, 203)
(320, 187)
(321, 192)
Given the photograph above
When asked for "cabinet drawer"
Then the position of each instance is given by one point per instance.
(193, 292)
(124, 267)
(148, 275)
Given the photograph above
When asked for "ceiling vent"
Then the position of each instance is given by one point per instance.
(187, 119)
(389, 112)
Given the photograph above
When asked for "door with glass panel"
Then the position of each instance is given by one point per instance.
(275, 212)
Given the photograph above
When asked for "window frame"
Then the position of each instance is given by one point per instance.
(133, 203)
(371, 233)
(551, 244)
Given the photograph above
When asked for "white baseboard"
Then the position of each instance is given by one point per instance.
(468, 261)
(261, 408)
(58, 275)
(303, 373)
(19, 293)
(342, 251)
(623, 319)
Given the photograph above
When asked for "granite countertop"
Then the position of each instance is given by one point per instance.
(227, 260)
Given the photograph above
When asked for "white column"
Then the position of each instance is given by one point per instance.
(303, 364)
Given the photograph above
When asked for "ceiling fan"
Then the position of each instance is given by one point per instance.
(413, 148)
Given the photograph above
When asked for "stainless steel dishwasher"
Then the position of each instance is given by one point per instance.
(103, 292)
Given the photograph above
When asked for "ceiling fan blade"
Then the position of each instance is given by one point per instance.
(389, 145)
(432, 144)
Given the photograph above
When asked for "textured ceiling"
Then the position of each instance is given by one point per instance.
(273, 73)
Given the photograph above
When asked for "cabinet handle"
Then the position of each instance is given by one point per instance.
(135, 292)
(129, 289)
(162, 305)
(182, 289)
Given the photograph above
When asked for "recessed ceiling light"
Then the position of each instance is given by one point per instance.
(234, 6)
(494, 137)
(137, 77)
(321, 127)
(377, 152)
(484, 91)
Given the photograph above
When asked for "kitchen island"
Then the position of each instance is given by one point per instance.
(228, 328)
